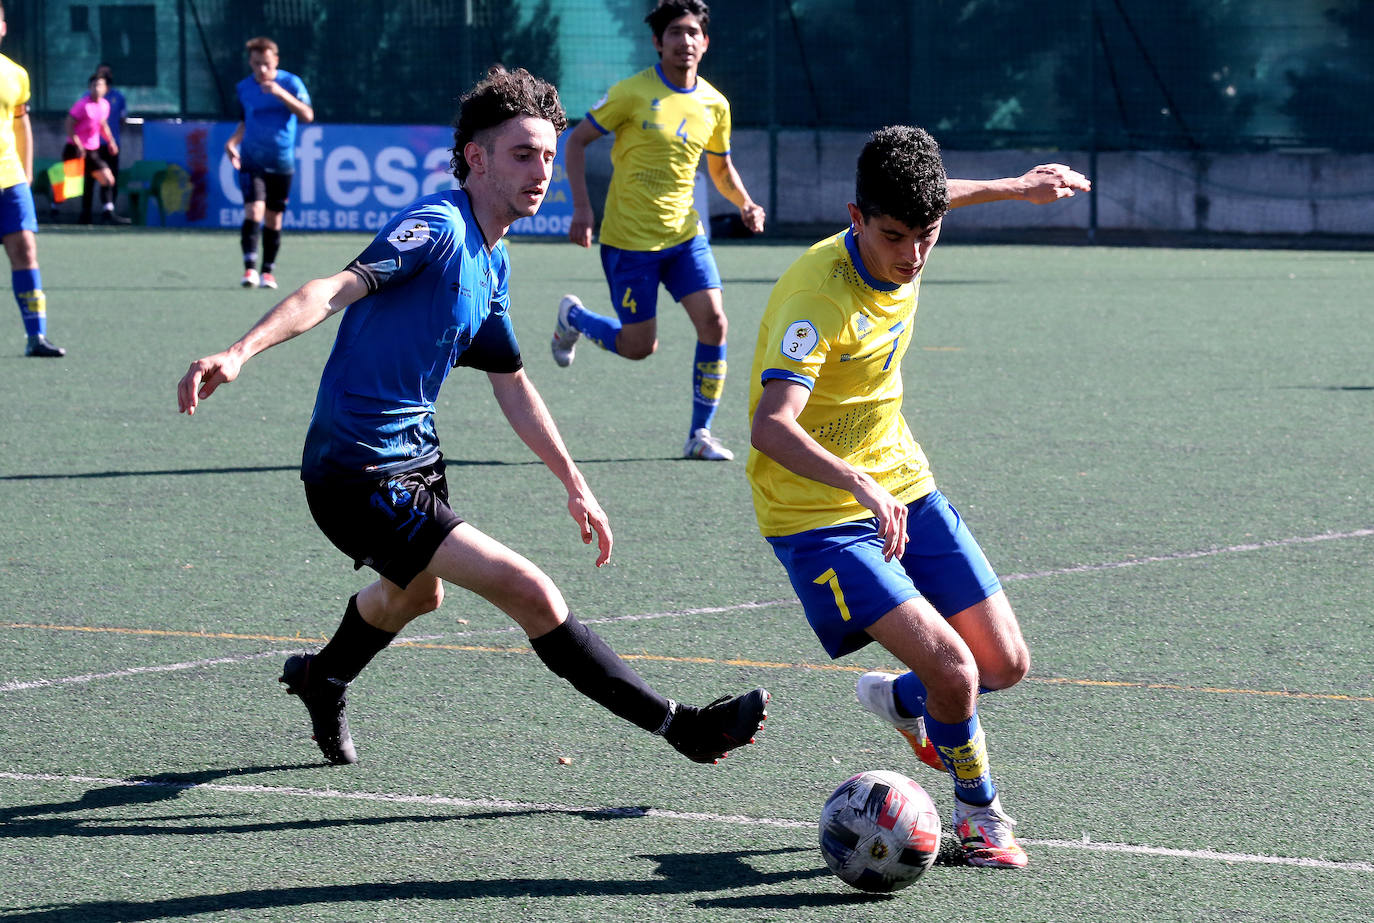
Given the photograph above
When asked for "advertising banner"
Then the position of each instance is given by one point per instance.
(348, 177)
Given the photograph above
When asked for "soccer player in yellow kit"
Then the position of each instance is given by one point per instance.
(845, 496)
(663, 119)
(18, 223)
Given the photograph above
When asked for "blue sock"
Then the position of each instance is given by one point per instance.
(708, 381)
(965, 754)
(911, 695)
(598, 328)
(28, 292)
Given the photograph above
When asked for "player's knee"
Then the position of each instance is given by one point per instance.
(423, 595)
(429, 600)
(530, 596)
(1010, 669)
(637, 349)
(712, 328)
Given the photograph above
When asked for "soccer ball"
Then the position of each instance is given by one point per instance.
(879, 831)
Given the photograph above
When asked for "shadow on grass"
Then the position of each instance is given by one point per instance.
(273, 469)
(679, 874)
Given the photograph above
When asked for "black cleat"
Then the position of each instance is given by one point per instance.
(40, 347)
(326, 707)
(109, 217)
(707, 735)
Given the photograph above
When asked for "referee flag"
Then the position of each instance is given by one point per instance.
(68, 179)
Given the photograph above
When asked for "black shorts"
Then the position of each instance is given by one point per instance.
(393, 525)
(95, 160)
(274, 189)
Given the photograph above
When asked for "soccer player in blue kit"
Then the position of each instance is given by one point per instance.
(263, 150)
(431, 293)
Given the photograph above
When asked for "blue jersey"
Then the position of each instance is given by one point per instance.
(118, 107)
(437, 298)
(269, 128)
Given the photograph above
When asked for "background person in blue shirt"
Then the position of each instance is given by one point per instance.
(430, 293)
(263, 150)
(119, 114)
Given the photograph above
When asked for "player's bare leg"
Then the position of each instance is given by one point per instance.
(946, 673)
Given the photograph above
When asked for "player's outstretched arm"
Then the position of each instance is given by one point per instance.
(304, 308)
(575, 164)
(532, 422)
(1041, 185)
(776, 433)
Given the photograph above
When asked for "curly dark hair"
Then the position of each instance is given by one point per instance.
(668, 10)
(500, 96)
(901, 175)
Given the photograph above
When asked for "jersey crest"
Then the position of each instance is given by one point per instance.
(409, 235)
(799, 340)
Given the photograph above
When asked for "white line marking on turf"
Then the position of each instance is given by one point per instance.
(1009, 578)
(1190, 555)
(738, 819)
(638, 617)
(1208, 854)
(134, 671)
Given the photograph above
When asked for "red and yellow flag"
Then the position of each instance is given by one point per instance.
(68, 179)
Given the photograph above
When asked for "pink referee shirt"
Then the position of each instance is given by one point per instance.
(88, 113)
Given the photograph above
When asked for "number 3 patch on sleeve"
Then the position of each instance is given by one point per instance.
(799, 340)
(410, 234)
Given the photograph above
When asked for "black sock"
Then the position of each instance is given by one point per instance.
(271, 243)
(353, 646)
(576, 653)
(107, 197)
(248, 241)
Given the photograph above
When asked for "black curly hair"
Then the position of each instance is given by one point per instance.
(901, 175)
(668, 10)
(500, 96)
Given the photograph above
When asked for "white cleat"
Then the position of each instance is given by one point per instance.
(701, 444)
(565, 335)
(985, 834)
(250, 278)
(877, 693)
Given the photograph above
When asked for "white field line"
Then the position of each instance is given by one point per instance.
(1190, 555)
(496, 804)
(713, 610)
(637, 617)
(134, 671)
(1008, 578)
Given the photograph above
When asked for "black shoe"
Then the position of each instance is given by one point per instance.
(707, 735)
(326, 707)
(40, 347)
(109, 217)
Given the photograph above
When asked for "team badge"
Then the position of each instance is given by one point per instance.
(409, 235)
(799, 340)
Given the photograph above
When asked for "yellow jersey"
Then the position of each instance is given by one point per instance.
(832, 327)
(14, 95)
(660, 133)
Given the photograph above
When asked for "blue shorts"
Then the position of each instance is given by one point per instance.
(634, 276)
(845, 585)
(16, 210)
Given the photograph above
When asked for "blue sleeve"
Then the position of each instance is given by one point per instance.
(401, 250)
(493, 348)
(299, 91)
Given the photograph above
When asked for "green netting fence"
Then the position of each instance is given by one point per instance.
(1215, 75)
